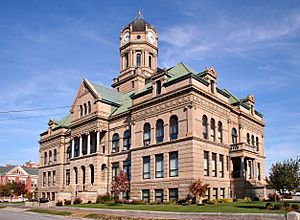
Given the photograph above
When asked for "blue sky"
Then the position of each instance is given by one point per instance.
(48, 47)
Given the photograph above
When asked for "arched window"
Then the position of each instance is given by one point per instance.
(83, 174)
(212, 130)
(55, 155)
(76, 146)
(252, 140)
(81, 110)
(126, 60)
(158, 87)
(248, 138)
(50, 156)
(257, 143)
(147, 134)
(159, 130)
(115, 143)
(150, 61)
(173, 127)
(92, 174)
(220, 132)
(138, 59)
(127, 140)
(85, 108)
(45, 158)
(234, 136)
(212, 86)
(204, 125)
(89, 107)
(76, 175)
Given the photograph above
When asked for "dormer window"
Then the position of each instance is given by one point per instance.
(138, 59)
(85, 108)
(158, 87)
(212, 86)
(81, 110)
(89, 107)
(150, 61)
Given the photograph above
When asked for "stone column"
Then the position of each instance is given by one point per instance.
(166, 131)
(73, 147)
(98, 141)
(80, 146)
(89, 143)
(242, 166)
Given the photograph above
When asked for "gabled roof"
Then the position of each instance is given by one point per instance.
(107, 94)
(126, 104)
(4, 170)
(30, 171)
(65, 121)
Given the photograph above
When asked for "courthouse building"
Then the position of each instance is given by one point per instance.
(165, 127)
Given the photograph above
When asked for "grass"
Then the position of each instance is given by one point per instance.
(236, 207)
(50, 212)
(2, 207)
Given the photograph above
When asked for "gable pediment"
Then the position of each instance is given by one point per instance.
(17, 171)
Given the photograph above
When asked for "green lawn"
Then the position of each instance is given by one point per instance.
(51, 212)
(236, 207)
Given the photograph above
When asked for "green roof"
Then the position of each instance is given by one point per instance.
(179, 70)
(108, 95)
(65, 122)
(126, 104)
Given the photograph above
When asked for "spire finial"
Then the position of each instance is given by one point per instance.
(139, 15)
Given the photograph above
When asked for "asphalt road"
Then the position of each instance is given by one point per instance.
(14, 214)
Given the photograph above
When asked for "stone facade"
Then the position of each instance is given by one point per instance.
(163, 127)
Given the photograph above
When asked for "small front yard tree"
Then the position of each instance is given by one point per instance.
(120, 184)
(20, 189)
(198, 189)
(284, 176)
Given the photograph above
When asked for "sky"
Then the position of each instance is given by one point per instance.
(47, 47)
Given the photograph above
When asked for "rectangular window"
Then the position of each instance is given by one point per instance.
(173, 164)
(221, 165)
(146, 195)
(114, 170)
(207, 194)
(222, 193)
(127, 169)
(258, 171)
(68, 177)
(215, 193)
(206, 163)
(49, 178)
(44, 178)
(173, 194)
(146, 167)
(159, 166)
(159, 195)
(214, 165)
(52, 196)
(53, 178)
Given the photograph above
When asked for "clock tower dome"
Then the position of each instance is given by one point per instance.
(138, 55)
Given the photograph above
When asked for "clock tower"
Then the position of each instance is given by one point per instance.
(138, 55)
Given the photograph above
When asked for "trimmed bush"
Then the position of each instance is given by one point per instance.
(89, 202)
(256, 199)
(77, 201)
(229, 200)
(269, 206)
(295, 206)
(286, 204)
(104, 198)
(213, 202)
(247, 199)
(67, 202)
(277, 206)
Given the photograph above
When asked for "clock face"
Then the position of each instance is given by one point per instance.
(151, 37)
(125, 38)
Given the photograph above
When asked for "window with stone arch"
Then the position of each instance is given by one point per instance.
(126, 60)
(115, 143)
(85, 108)
(50, 156)
(220, 132)
(138, 59)
(205, 127)
(173, 127)
(158, 87)
(83, 174)
(81, 110)
(76, 175)
(248, 138)
(69, 152)
(45, 158)
(159, 130)
(234, 136)
(150, 60)
(147, 134)
(55, 155)
(89, 107)
(252, 140)
(127, 139)
(212, 129)
(257, 143)
(92, 173)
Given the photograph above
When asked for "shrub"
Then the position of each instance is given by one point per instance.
(256, 199)
(295, 206)
(273, 196)
(89, 202)
(213, 202)
(286, 204)
(104, 198)
(240, 200)
(269, 206)
(58, 203)
(77, 201)
(229, 200)
(277, 206)
(67, 202)
(288, 209)
(247, 199)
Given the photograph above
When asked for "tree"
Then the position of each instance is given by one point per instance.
(198, 189)
(120, 184)
(6, 190)
(284, 176)
(19, 189)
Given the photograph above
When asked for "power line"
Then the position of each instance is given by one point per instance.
(32, 110)
(24, 118)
